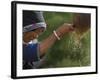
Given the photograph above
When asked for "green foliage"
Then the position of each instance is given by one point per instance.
(65, 53)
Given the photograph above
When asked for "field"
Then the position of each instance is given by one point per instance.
(65, 53)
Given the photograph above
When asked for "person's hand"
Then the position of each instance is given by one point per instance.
(64, 29)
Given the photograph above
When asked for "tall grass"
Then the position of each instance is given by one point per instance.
(65, 53)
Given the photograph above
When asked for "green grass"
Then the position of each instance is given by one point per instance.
(65, 53)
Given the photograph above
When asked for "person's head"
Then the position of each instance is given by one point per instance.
(33, 25)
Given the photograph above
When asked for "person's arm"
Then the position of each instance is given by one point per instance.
(48, 42)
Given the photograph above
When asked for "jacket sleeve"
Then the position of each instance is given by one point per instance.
(31, 52)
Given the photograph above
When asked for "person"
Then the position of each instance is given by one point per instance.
(34, 51)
